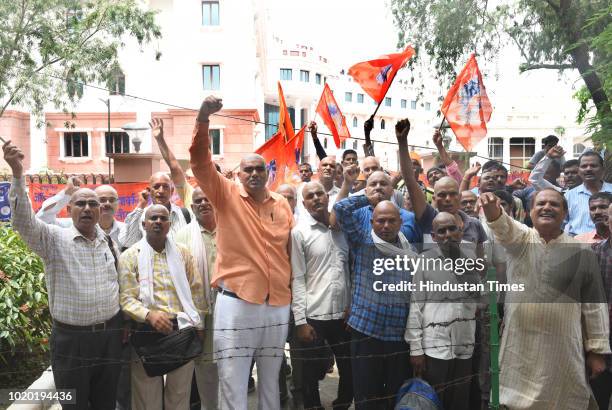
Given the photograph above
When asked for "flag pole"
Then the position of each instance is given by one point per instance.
(442, 122)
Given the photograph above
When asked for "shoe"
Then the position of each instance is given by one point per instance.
(251, 388)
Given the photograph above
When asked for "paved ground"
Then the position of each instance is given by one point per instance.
(327, 390)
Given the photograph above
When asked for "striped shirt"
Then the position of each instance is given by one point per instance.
(579, 218)
(164, 293)
(80, 274)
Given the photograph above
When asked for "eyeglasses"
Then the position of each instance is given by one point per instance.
(110, 200)
(83, 204)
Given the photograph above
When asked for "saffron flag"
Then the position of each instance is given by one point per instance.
(466, 106)
(376, 76)
(282, 159)
(285, 127)
(332, 116)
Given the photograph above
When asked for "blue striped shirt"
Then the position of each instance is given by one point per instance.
(579, 219)
(380, 314)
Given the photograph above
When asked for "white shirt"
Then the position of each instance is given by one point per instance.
(300, 210)
(455, 341)
(52, 206)
(319, 260)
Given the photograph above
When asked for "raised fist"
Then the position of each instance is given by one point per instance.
(210, 105)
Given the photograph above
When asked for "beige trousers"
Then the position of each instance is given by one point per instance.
(149, 393)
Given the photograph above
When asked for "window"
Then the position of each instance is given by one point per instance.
(286, 74)
(348, 96)
(304, 76)
(578, 149)
(343, 144)
(388, 101)
(413, 104)
(210, 75)
(117, 142)
(355, 145)
(354, 122)
(403, 103)
(521, 150)
(382, 124)
(215, 141)
(496, 148)
(116, 82)
(210, 13)
(271, 119)
(76, 144)
(325, 143)
(428, 106)
(360, 98)
(318, 78)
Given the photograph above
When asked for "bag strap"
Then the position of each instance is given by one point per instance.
(187, 215)
(111, 246)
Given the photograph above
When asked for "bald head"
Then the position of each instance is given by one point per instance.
(252, 158)
(156, 208)
(316, 201)
(253, 174)
(386, 221)
(161, 187)
(289, 193)
(370, 164)
(104, 190)
(109, 202)
(83, 192)
(446, 193)
(84, 209)
(447, 228)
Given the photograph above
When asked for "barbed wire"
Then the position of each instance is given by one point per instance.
(104, 361)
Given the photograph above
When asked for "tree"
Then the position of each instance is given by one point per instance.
(49, 48)
(550, 34)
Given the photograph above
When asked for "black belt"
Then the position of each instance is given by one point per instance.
(228, 293)
(91, 328)
(233, 295)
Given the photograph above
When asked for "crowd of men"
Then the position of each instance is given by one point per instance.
(242, 270)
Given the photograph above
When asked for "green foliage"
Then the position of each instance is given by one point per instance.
(25, 322)
(550, 34)
(45, 41)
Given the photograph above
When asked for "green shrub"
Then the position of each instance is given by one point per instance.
(25, 321)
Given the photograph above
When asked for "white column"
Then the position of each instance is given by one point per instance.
(506, 150)
(38, 145)
(298, 114)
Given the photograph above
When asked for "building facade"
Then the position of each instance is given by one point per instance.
(214, 47)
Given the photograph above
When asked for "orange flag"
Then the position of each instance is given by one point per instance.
(466, 106)
(282, 159)
(332, 116)
(292, 157)
(376, 76)
(285, 127)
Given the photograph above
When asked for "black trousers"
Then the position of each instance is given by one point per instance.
(378, 377)
(88, 362)
(602, 389)
(452, 381)
(317, 363)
